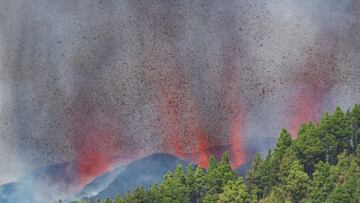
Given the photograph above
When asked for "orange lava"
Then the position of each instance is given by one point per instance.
(94, 148)
(90, 165)
(237, 151)
(184, 135)
(235, 114)
(204, 155)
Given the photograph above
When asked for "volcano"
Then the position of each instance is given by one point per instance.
(87, 87)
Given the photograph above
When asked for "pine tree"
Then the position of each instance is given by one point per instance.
(200, 183)
(260, 178)
(224, 170)
(234, 192)
(212, 164)
(152, 194)
(309, 147)
(253, 178)
(283, 143)
(179, 174)
(277, 195)
(139, 195)
(322, 184)
(191, 184)
(173, 188)
(335, 131)
(348, 185)
(212, 179)
(297, 182)
(211, 196)
(128, 198)
(285, 164)
(354, 117)
(118, 199)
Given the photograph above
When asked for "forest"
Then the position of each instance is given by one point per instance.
(321, 165)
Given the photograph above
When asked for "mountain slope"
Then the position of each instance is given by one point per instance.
(146, 171)
(99, 183)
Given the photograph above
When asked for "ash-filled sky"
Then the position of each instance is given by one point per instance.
(90, 79)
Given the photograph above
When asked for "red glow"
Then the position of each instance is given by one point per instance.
(204, 155)
(237, 152)
(93, 157)
(313, 84)
(235, 121)
(95, 147)
(308, 107)
(91, 165)
(168, 108)
(184, 135)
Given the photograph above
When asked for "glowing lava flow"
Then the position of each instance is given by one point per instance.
(95, 147)
(203, 159)
(184, 135)
(168, 108)
(93, 160)
(236, 114)
(237, 150)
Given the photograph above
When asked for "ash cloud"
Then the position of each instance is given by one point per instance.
(173, 76)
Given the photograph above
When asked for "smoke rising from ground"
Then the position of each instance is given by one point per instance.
(86, 80)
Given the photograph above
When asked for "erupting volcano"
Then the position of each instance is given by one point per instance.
(184, 133)
(96, 85)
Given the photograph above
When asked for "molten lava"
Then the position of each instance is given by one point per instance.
(183, 133)
(237, 151)
(183, 124)
(95, 147)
